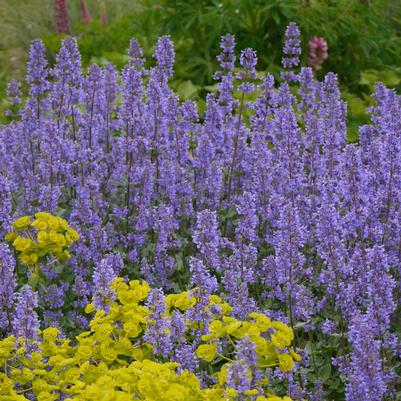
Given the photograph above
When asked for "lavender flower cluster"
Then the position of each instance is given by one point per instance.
(260, 198)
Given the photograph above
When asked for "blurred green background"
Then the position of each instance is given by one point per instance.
(364, 37)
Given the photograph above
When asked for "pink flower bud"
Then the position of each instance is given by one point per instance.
(318, 52)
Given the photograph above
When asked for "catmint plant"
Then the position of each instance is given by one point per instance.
(257, 198)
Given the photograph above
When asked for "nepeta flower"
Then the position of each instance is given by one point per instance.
(136, 53)
(227, 57)
(238, 377)
(206, 237)
(291, 50)
(158, 331)
(14, 92)
(104, 274)
(164, 54)
(25, 321)
(366, 380)
(37, 71)
(201, 277)
(7, 287)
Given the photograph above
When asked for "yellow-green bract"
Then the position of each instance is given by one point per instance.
(111, 361)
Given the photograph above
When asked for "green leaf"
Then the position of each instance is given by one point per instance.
(300, 325)
(388, 77)
(187, 90)
(34, 280)
(325, 372)
(179, 260)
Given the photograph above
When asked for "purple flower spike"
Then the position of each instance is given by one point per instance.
(25, 323)
(227, 57)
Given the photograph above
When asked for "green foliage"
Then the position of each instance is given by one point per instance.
(361, 34)
(390, 78)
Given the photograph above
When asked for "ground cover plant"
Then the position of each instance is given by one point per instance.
(258, 205)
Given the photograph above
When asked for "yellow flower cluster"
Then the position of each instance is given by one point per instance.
(44, 236)
(257, 329)
(112, 362)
